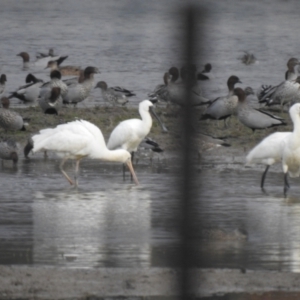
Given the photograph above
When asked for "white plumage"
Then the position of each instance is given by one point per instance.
(76, 140)
(130, 133)
(267, 152)
(291, 150)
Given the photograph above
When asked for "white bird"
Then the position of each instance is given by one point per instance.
(291, 148)
(77, 140)
(130, 133)
(267, 152)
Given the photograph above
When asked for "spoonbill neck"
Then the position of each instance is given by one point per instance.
(118, 155)
(296, 121)
(146, 118)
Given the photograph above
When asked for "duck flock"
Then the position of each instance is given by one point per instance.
(80, 138)
(246, 105)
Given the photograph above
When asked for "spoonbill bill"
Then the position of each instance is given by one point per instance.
(77, 140)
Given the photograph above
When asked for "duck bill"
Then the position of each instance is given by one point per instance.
(130, 167)
(162, 125)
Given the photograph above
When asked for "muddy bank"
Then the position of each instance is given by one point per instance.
(240, 138)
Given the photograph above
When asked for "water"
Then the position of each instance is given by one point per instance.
(108, 222)
(135, 42)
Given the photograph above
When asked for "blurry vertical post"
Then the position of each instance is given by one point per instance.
(190, 55)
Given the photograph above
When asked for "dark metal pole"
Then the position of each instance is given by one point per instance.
(191, 15)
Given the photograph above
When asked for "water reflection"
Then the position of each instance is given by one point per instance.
(92, 227)
(111, 222)
(108, 222)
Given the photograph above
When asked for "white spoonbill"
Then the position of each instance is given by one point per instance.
(267, 152)
(130, 133)
(291, 149)
(76, 140)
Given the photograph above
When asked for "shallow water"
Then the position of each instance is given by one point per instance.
(108, 222)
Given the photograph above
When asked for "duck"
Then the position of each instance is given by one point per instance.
(50, 53)
(287, 92)
(79, 91)
(9, 149)
(292, 71)
(50, 100)
(3, 80)
(254, 118)
(64, 70)
(55, 81)
(9, 119)
(223, 107)
(177, 90)
(42, 62)
(114, 95)
(205, 74)
(189, 78)
(150, 149)
(248, 58)
(28, 93)
(251, 97)
(209, 142)
(149, 143)
(161, 90)
(291, 149)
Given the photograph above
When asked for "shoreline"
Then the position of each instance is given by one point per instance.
(240, 138)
